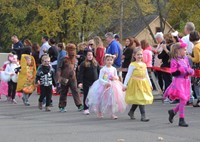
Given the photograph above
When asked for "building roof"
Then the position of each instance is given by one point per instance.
(135, 26)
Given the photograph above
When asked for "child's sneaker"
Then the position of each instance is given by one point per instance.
(14, 101)
(99, 115)
(167, 101)
(27, 104)
(62, 109)
(47, 109)
(8, 99)
(144, 118)
(114, 117)
(80, 108)
(86, 112)
(40, 105)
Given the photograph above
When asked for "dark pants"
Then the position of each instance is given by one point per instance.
(12, 89)
(45, 91)
(124, 76)
(55, 70)
(63, 95)
(160, 79)
(167, 79)
(85, 93)
(141, 107)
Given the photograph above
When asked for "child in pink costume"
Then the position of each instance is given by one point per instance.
(180, 86)
(106, 95)
(3, 85)
(3, 78)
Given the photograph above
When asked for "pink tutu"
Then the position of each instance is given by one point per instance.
(3, 88)
(106, 100)
(179, 89)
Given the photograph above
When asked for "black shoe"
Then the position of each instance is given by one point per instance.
(182, 123)
(131, 114)
(171, 115)
(143, 118)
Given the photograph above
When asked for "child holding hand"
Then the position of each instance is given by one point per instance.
(138, 86)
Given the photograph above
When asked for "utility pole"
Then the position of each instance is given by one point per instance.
(121, 20)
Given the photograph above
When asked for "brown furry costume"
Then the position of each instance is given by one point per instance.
(67, 76)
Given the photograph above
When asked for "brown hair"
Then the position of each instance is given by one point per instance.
(168, 38)
(136, 41)
(144, 44)
(61, 45)
(27, 42)
(35, 47)
(10, 55)
(194, 36)
(87, 63)
(174, 50)
(135, 51)
(131, 42)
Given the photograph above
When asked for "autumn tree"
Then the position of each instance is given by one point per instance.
(67, 20)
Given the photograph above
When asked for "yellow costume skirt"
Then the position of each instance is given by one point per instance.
(138, 92)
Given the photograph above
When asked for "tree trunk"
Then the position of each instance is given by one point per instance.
(121, 20)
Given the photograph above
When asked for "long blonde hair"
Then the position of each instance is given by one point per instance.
(98, 42)
(82, 46)
(174, 50)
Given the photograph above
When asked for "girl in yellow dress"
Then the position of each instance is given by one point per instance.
(138, 86)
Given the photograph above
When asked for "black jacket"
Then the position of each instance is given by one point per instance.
(53, 53)
(128, 52)
(165, 57)
(88, 75)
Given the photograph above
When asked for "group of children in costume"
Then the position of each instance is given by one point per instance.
(103, 92)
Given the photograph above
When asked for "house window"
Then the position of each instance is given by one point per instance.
(158, 29)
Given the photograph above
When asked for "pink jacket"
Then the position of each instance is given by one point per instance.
(147, 57)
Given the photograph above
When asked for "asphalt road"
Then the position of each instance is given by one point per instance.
(19, 123)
